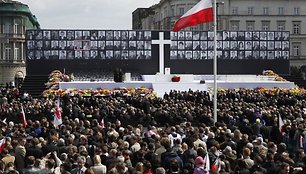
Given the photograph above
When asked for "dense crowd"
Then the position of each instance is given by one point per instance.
(139, 134)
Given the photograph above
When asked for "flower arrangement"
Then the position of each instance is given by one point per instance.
(176, 78)
(99, 92)
(272, 91)
(273, 74)
(55, 77)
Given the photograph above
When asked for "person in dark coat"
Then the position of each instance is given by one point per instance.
(211, 141)
(62, 148)
(270, 165)
(52, 143)
(241, 167)
(257, 165)
(169, 156)
(34, 149)
(229, 142)
(190, 154)
(30, 169)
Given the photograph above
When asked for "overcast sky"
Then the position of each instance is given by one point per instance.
(86, 14)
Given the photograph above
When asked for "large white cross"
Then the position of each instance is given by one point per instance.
(161, 42)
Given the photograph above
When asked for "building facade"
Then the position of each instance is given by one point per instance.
(245, 15)
(138, 15)
(15, 19)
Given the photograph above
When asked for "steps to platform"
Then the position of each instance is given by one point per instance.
(34, 85)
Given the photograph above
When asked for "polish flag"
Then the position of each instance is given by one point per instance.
(57, 114)
(102, 123)
(202, 12)
(216, 167)
(207, 162)
(24, 121)
(280, 123)
(2, 144)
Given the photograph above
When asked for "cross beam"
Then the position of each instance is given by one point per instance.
(161, 42)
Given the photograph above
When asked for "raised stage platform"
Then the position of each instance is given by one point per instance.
(226, 81)
(162, 83)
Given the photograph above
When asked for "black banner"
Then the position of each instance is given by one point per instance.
(242, 52)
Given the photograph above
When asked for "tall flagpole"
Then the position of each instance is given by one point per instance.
(215, 62)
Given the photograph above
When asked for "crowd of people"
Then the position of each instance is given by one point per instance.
(258, 131)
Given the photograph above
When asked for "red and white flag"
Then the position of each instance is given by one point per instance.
(57, 114)
(2, 144)
(280, 123)
(102, 123)
(207, 162)
(24, 121)
(202, 12)
(216, 167)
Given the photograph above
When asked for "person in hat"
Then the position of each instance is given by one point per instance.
(199, 166)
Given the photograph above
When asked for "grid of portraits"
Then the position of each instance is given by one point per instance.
(196, 45)
(88, 44)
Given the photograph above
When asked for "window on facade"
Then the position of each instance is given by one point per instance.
(296, 49)
(280, 10)
(17, 26)
(296, 27)
(165, 12)
(250, 25)
(250, 10)
(234, 25)
(235, 10)
(7, 53)
(201, 26)
(181, 10)
(172, 11)
(265, 11)
(194, 28)
(16, 53)
(7, 28)
(296, 11)
(280, 25)
(157, 16)
(2, 55)
(265, 25)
